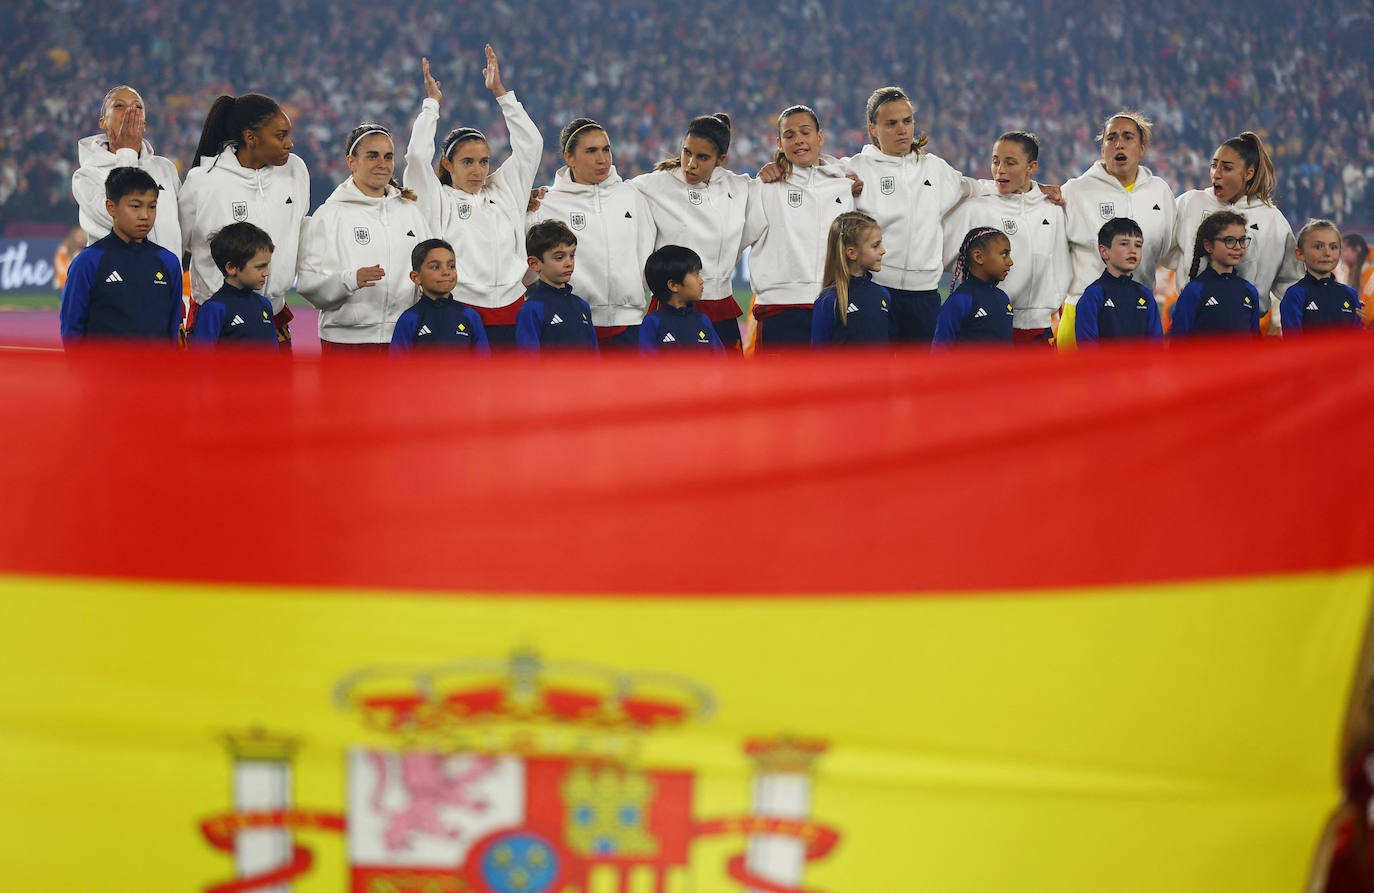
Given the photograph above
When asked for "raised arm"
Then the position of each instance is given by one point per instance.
(526, 142)
(419, 175)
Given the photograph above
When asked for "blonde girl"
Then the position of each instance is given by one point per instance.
(853, 309)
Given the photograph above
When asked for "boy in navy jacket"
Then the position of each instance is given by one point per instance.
(436, 319)
(1115, 305)
(1318, 300)
(552, 316)
(123, 286)
(237, 313)
(673, 274)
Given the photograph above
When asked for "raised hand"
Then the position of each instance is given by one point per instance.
(431, 85)
(128, 133)
(492, 74)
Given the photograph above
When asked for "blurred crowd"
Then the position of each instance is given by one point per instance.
(1300, 75)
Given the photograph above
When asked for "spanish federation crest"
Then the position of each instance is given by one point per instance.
(888, 185)
(1106, 210)
(577, 220)
(361, 235)
(794, 198)
(694, 196)
(464, 210)
(240, 211)
(1009, 226)
(518, 779)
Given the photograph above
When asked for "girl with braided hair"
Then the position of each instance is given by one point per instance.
(977, 310)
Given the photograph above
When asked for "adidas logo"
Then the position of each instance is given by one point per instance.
(1211, 302)
(1312, 305)
(668, 338)
(114, 277)
(927, 183)
(627, 216)
(980, 314)
(1156, 207)
(410, 232)
(236, 321)
(1108, 303)
(424, 330)
(851, 308)
(556, 320)
(1045, 222)
(288, 200)
(1254, 226)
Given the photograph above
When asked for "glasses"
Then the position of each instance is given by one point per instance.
(1236, 241)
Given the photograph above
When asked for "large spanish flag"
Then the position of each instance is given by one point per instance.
(831, 622)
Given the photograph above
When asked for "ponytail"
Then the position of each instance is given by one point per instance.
(1253, 153)
(846, 231)
(1207, 231)
(974, 239)
(228, 118)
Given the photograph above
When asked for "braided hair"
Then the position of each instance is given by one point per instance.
(977, 238)
(1208, 231)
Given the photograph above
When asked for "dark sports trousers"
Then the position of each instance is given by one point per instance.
(915, 313)
(785, 329)
(624, 340)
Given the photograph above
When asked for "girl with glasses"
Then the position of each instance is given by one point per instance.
(1218, 300)
(1242, 181)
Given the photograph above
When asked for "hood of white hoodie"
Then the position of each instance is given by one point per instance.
(563, 181)
(1097, 172)
(94, 150)
(873, 153)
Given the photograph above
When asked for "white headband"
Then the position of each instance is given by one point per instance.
(381, 130)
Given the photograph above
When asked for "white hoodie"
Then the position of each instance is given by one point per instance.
(220, 191)
(1269, 264)
(352, 230)
(486, 229)
(88, 188)
(615, 236)
(1096, 197)
(1040, 273)
(909, 195)
(788, 224)
(707, 218)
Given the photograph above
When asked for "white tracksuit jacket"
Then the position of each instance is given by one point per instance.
(615, 236)
(350, 231)
(909, 196)
(220, 191)
(1269, 265)
(486, 229)
(708, 218)
(1039, 279)
(1096, 197)
(88, 188)
(787, 226)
